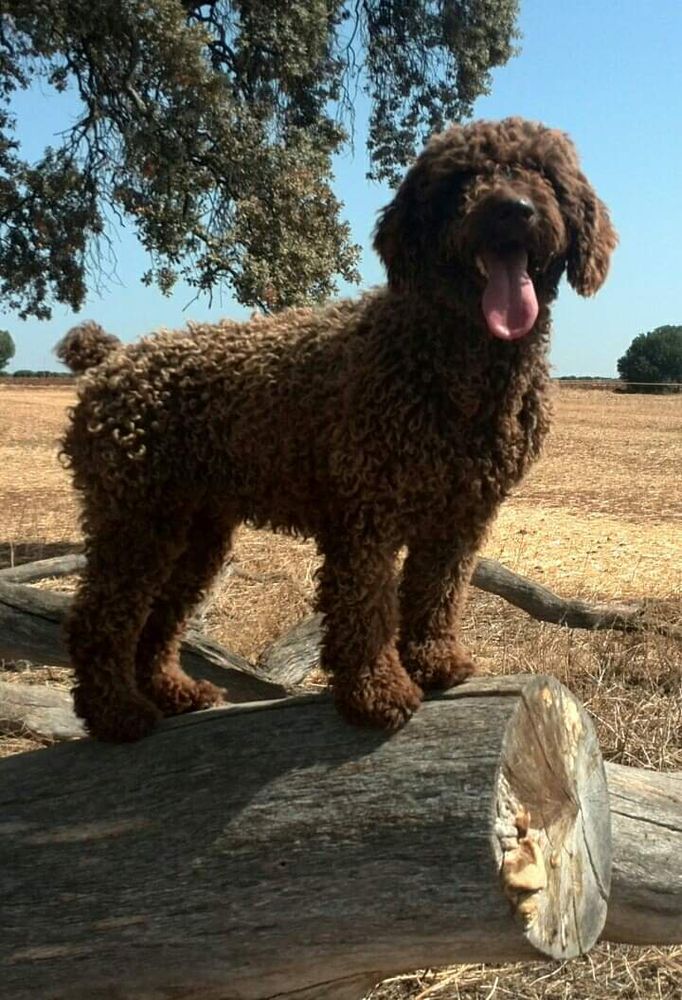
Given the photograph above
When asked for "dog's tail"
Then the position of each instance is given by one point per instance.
(85, 346)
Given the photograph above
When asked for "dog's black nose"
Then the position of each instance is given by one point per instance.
(516, 208)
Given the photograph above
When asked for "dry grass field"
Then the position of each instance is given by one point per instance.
(599, 517)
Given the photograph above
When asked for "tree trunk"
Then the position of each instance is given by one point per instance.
(43, 569)
(541, 603)
(272, 849)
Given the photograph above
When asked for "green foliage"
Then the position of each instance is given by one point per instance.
(653, 357)
(211, 126)
(6, 349)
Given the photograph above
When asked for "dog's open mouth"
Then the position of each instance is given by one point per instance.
(510, 305)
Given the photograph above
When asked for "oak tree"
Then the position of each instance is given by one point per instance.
(654, 357)
(210, 128)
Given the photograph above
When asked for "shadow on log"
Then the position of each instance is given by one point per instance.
(265, 850)
(646, 811)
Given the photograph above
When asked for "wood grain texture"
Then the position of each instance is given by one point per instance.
(271, 850)
(291, 657)
(646, 890)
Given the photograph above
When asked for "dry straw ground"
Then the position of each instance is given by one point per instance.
(599, 518)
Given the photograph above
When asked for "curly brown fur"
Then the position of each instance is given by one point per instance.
(394, 420)
(85, 346)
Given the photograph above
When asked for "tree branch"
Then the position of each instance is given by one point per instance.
(39, 711)
(489, 575)
(541, 603)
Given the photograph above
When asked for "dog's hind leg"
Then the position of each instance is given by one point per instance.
(432, 594)
(357, 596)
(159, 674)
(130, 553)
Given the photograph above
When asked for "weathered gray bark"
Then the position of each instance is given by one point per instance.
(39, 711)
(646, 889)
(42, 569)
(541, 603)
(271, 850)
(31, 629)
(292, 656)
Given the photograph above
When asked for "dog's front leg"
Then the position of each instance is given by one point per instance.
(358, 598)
(432, 593)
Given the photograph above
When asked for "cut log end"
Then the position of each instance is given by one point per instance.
(552, 832)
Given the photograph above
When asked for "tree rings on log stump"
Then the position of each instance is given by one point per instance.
(553, 831)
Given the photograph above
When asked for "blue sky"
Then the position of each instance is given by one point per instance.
(609, 72)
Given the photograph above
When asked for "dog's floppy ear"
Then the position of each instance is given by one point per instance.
(593, 239)
(398, 235)
(409, 231)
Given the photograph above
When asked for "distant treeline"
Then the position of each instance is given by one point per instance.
(580, 381)
(28, 373)
(589, 382)
(585, 378)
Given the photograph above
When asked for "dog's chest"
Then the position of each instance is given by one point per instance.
(470, 450)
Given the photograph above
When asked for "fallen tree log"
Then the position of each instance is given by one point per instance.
(290, 658)
(43, 569)
(31, 629)
(646, 889)
(646, 812)
(543, 604)
(293, 656)
(45, 713)
(271, 850)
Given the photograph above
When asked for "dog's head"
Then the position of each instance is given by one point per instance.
(488, 219)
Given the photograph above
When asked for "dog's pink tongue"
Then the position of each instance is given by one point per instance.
(510, 305)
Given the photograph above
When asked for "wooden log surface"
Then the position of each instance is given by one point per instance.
(31, 629)
(292, 656)
(43, 569)
(264, 850)
(645, 906)
(37, 710)
(646, 890)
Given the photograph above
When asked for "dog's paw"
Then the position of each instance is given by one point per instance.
(116, 718)
(437, 665)
(174, 693)
(383, 699)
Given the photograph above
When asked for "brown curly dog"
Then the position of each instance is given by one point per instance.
(402, 418)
